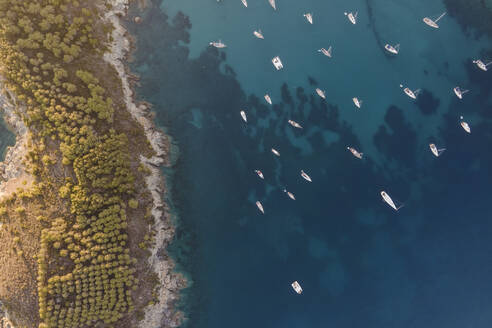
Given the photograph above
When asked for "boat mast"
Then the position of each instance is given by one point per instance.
(444, 13)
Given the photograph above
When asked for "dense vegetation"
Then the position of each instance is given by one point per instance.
(80, 158)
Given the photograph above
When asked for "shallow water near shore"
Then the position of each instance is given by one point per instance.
(359, 262)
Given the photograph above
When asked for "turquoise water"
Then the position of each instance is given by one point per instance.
(7, 138)
(360, 263)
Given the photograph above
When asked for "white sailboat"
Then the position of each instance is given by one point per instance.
(272, 3)
(437, 152)
(258, 34)
(295, 124)
(309, 17)
(390, 201)
(325, 52)
(305, 176)
(245, 3)
(355, 152)
(268, 99)
(320, 93)
(217, 44)
(392, 49)
(260, 207)
(243, 115)
(291, 195)
(459, 93)
(465, 125)
(275, 152)
(409, 92)
(277, 63)
(352, 17)
(482, 65)
(260, 174)
(297, 287)
(433, 22)
(357, 102)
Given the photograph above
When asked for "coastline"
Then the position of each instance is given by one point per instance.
(163, 313)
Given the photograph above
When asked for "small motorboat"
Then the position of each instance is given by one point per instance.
(355, 152)
(351, 17)
(357, 102)
(260, 207)
(435, 151)
(433, 22)
(217, 44)
(321, 93)
(392, 49)
(243, 115)
(291, 195)
(295, 124)
(268, 99)
(275, 152)
(272, 3)
(277, 63)
(305, 176)
(258, 34)
(482, 65)
(410, 93)
(459, 93)
(245, 3)
(298, 289)
(309, 17)
(260, 174)
(465, 125)
(325, 52)
(389, 201)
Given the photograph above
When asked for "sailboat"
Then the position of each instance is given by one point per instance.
(305, 176)
(272, 3)
(351, 17)
(277, 63)
(357, 102)
(298, 289)
(258, 34)
(260, 207)
(355, 152)
(410, 93)
(245, 3)
(243, 115)
(459, 93)
(437, 152)
(325, 52)
(482, 65)
(291, 195)
(275, 152)
(392, 49)
(295, 124)
(465, 125)
(390, 201)
(260, 174)
(217, 44)
(268, 99)
(320, 93)
(309, 17)
(433, 22)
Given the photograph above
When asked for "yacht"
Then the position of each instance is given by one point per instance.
(272, 3)
(433, 22)
(217, 44)
(325, 52)
(465, 125)
(245, 3)
(389, 201)
(260, 207)
(260, 174)
(320, 93)
(258, 34)
(392, 49)
(305, 176)
(435, 151)
(410, 93)
(295, 124)
(357, 102)
(295, 285)
(277, 63)
(243, 115)
(351, 17)
(355, 152)
(291, 195)
(275, 152)
(309, 17)
(482, 65)
(268, 99)
(459, 93)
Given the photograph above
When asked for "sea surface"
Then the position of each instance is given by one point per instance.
(360, 263)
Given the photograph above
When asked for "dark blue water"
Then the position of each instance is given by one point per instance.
(360, 263)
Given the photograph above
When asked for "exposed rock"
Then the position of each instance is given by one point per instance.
(137, 19)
